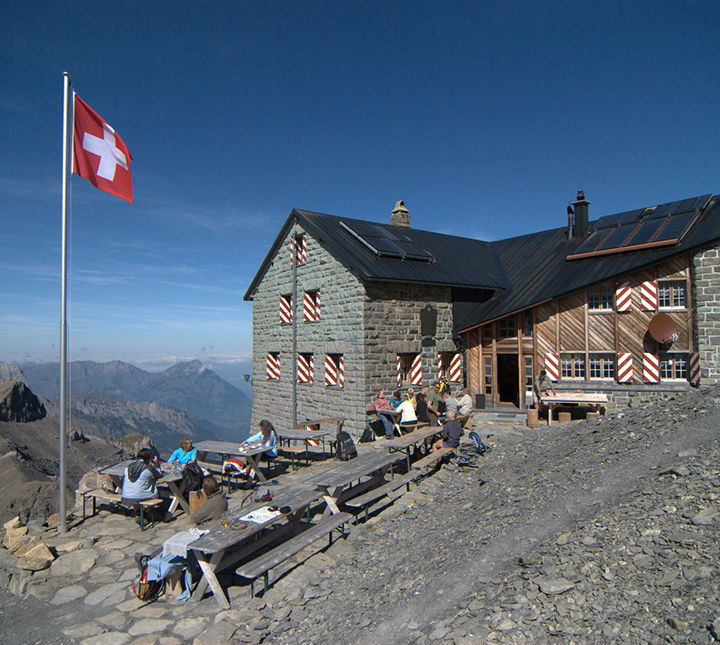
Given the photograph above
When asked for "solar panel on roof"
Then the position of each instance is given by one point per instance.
(619, 219)
(645, 233)
(676, 226)
(591, 243)
(384, 243)
(681, 206)
(617, 237)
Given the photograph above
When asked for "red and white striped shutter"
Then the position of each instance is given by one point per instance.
(305, 368)
(649, 295)
(694, 372)
(416, 370)
(286, 309)
(440, 369)
(331, 375)
(625, 368)
(623, 297)
(651, 368)
(317, 305)
(308, 307)
(552, 366)
(455, 368)
(272, 366)
(399, 371)
(302, 249)
(341, 371)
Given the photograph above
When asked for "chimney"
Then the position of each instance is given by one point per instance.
(400, 215)
(581, 224)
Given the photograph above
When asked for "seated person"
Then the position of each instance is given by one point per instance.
(407, 411)
(465, 404)
(449, 401)
(267, 438)
(215, 504)
(381, 403)
(450, 435)
(139, 480)
(395, 399)
(185, 453)
(424, 411)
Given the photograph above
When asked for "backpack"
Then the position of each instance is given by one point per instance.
(480, 447)
(143, 588)
(344, 446)
(192, 477)
(368, 435)
(258, 494)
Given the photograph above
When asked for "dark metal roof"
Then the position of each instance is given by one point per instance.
(537, 268)
(458, 261)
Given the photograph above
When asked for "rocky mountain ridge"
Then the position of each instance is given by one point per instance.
(187, 386)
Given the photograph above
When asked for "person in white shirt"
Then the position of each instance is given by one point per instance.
(407, 411)
(465, 405)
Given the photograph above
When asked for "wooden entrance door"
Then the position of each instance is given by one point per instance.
(508, 379)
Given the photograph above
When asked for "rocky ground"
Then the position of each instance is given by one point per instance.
(591, 532)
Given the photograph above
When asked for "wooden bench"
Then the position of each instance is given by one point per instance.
(116, 499)
(365, 500)
(262, 565)
(432, 459)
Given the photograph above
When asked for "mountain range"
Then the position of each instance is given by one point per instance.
(115, 398)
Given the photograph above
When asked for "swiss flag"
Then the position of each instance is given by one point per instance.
(99, 154)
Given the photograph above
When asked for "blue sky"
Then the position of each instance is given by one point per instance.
(485, 117)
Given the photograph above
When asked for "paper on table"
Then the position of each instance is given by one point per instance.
(260, 516)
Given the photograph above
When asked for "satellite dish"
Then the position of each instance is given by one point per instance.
(663, 329)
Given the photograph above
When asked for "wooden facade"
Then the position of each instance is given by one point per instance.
(582, 338)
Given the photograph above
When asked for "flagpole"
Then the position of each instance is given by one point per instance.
(62, 516)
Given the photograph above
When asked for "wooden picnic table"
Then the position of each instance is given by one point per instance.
(223, 547)
(308, 437)
(250, 453)
(406, 442)
(594, 400)
(169, 478)
(336, 482)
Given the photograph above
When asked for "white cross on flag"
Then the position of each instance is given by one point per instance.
(99, 154)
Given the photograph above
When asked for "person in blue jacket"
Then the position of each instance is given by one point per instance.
(185, 453)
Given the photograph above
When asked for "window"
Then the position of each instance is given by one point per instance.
(298, 248)
(311, 306)
(673, 366)
(572, 365)
(507, 328)
(602, 366)
(286, 309)
(672, 293)
(334, 370)
(529, 373)
(600, 298)
(488, 375)
(305, 368)
(527, 318)
(409, 369)
(272, 366)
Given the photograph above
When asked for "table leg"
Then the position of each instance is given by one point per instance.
(253, 462)
(209, 579)
(177, 499)
(550, 411)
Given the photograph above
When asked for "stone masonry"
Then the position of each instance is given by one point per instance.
(368, 324)
(706, 302)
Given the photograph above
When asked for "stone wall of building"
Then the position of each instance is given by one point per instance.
(339, 330)
(392, 327)
(706, 309)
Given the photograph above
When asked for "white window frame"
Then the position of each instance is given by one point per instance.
(672, 286)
